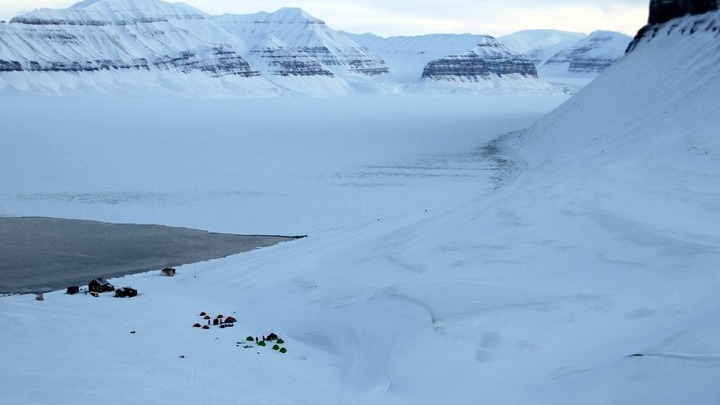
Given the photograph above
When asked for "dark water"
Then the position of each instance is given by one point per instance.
(45, 254)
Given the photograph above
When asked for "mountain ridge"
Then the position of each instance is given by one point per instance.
(286, 51)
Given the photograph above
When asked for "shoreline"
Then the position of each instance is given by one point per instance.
(42, 254)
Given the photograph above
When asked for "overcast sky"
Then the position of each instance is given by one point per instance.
(415, 17)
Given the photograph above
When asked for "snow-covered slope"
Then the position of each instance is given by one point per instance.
(629, 174)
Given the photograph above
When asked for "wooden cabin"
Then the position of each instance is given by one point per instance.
(100, 285)
(126, 292)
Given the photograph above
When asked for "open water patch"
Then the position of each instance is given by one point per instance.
(39, 254)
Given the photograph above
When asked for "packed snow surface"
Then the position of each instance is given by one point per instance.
(575, 262)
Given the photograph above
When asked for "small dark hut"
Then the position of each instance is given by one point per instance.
(39, 296)
(168, 271)
(100, 285)
(73, 290)
(126, 292)
(271, 337)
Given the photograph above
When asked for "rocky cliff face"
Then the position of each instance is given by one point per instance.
(488, 58)
(664, 10)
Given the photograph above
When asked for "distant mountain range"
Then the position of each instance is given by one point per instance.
(154, 46)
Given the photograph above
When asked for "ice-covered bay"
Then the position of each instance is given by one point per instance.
(250, 165)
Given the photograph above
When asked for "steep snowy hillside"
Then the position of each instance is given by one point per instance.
(628, 178)
(488, 66)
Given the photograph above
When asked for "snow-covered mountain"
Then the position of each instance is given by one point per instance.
(490, 65)
(111, 44)
(526, 42)
(406, 57)
(174, 45)
(291, 29)
(292, 43)
(588, 57)
(567, 58)
(153, 46)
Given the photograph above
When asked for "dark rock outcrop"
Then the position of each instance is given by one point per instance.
(665, 10)
(662, 11)
(486, 59)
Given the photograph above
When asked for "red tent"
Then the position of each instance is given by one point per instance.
(230, 319)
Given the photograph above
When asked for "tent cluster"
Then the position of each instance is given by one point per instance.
(219, 320)
(271, 338)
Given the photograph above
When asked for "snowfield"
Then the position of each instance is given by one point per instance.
(572, 262)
